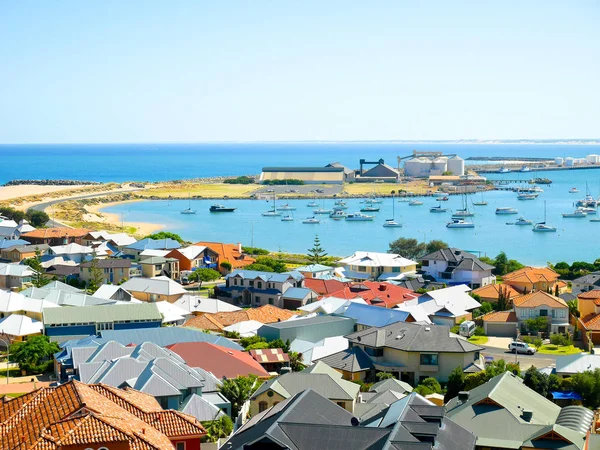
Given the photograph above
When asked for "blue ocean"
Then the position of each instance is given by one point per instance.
(576, 239)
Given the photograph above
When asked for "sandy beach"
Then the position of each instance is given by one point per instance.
(95, 214)
(26, 190)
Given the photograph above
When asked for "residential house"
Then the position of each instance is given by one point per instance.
(20, 252)
(56, 236)
(313, 351)
(505, 414)
(222, 362)
(272, 359)
(112, 292)
(6, 243)
(218, 321)
(297, 297)
(114, 271)
(379, 397)
(529, 279)
(386, 295)
(159, 266)
(588, 305)
(309, 329)
(318, 377)
(371, 265)
(18, 328)
(418, 282)
(455, 266)
(195, 257)
(202, 305)
(542, 304)
(318, 271)
(255, 288)
(15, 276)
(587, 282)
(413, 352)
(353, 363)
(447, 306)
(71, 252)
(78, 416)
(324, 286)
(118, 240)
(61, 294)
(569, 365)
(328, 305)
(88, 320)
(154, 289)
(367, 316)
(501, 323)
(228, 253)
(9, 229)
(150, 244)
(17, 303)
(62, 272)
(492, 292)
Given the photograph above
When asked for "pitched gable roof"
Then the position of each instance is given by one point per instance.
(531, 275)
(501, 317)
(218, 321)
(493, 291)
(461, 259)
(324, 287)
(55, 233)
(229, 253)
(376, 293)
(539, 298)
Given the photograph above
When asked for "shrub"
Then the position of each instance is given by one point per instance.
(527, 339)
(560, 340)
(479, 331)
(537, 342)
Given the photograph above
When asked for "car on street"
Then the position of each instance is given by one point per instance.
(521, 347)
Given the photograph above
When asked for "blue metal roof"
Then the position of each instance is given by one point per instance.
(154, 244)
(8, 243)
(565, 395)
(374, 316)
(296, 293)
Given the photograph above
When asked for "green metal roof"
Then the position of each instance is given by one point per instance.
(101, 314)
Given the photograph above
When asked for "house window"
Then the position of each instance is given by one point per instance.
(251, 283)
(262, 406)
(476, 356)
(395, 269)
(259, 284)
(531, 313)
(235, 281)
(543, 313)
(429, 359)
(375, 352)
(180, 446)
(523, 314)
(270, 301)
(257, 299)
(553, 313)
(563, 313)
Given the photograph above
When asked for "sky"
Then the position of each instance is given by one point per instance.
(196, 71)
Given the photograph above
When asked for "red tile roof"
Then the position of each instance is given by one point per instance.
(218, 321)
(493, 290)
(539, 298)
(589, 295)
(324, 287)
(76, 414)
(375, 293)
(229, 253)
(221, 361)
(269, 355)
(591, 322)
(531, 275)
(500, 317)
(53, 233)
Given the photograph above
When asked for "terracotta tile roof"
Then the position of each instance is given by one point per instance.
(492, 291)
(269, 355)
(378, 294)
(590, 295)
(76, 414)
(591, 322)
(218, 321)
(229, 253)
(500, 316)
(538, 298)
(222, 362)
(54, 233)
(324, 287)
(531, 275)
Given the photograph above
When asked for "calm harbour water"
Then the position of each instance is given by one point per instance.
(576, 239)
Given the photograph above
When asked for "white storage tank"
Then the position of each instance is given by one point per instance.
(569, 162)
(593, 159)
(425, 165)
(559, 161)
(439, 165)
(456, 165)
(412, 167)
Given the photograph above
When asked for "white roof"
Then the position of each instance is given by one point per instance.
(58, 260)
(71, 249)
(24, 227)
(330, 305)
(454, 299)
(312, 351)
(150, 252)
(171, 313)
(156, 285)
(416, 311)
(194, 303)
(374, 259)
(8, 223)
(246, 328)
(18, 325)
(14, 301)
(120, 239)
(107, 291)
(192, 251)
(577, 363)
(16, 270)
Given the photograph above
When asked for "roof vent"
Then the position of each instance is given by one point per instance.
(463, 396)
(427, 329)
(400, 336)
(527, 415)
(230, 352)
(457, 252)
(354, 422)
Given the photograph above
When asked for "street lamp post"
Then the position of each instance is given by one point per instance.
(7, 342)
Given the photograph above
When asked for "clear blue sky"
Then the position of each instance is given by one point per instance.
(176, 71)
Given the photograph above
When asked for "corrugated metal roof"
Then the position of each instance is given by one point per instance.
(101, 314)
(201, 408)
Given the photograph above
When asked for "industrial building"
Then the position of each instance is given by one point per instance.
(420, 166)
(379, 172)
(309, 175)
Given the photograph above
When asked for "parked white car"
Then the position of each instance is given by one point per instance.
(521, 347)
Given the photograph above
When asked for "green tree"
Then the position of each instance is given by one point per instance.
(501, 264)
(39, 279)
(296, 361)
(257, 346)
(204, 275)
(503, 298)
(255, 251)
(435, 245)
(587, 384)
(217, 429)
(250, 340)
(383, 376)
(278, 343)
(554, 383)
(456, 383)
(96, 276)
(37, 218)
(238, 390)
(316, 253)
(165, 235)
(537, 324)
(226, 265)
(35, 354)
(536, 380)
(277, 265)
(432, 385)
(573, 308)
(259, 267)
(408, 248)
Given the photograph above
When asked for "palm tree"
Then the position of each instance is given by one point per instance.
(296, 362)
(219, 428)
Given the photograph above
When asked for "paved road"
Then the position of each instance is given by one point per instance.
(538, 360)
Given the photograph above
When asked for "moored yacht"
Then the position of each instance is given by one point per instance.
(358, 217)
(506, 210)
(220, 208)
(460, 223)
(311, 220)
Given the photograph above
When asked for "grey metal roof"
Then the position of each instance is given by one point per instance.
(266, 276)
(101, 314)
(391, 384)
(412, 337)
(165, 336)
(109, 263)
(590, 278)
(353, 359)
(201, 408)
(316, 320)
(464, 260)
(324, 384)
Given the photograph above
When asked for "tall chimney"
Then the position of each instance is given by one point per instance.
(380, 338)
(240, 248)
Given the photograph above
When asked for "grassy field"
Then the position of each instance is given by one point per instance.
(559, 350)
(415, 187)
(183, 190)
(478, 340)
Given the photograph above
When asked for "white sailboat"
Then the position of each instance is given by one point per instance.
(542, 226)
(189, 209)
(391, 223)
(273, 211)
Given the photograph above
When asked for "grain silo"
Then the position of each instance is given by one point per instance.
(569, 162)
(593, 159)
(456, 165)
(438, 166)
(559, 161)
